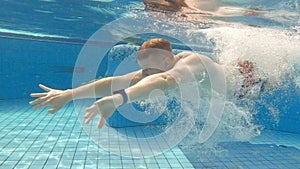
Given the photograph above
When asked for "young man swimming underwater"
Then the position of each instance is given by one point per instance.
(160, 69)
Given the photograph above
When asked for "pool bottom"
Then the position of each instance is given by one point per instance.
(35, 139)
(271, 150)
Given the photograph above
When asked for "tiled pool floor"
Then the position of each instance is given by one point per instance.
(271, 150)
(34, 139)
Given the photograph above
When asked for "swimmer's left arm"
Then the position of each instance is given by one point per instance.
(142, 90)
(107, 105)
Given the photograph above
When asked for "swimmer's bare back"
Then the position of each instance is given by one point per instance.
(178, 8)
(186, 10)
(164, 5)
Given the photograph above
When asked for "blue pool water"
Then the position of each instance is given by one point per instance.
(42, 41)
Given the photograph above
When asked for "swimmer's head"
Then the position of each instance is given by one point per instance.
(155, 56)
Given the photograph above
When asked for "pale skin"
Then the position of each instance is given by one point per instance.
(199, 10)
(168, 72)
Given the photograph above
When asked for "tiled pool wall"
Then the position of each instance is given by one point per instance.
(25, 63)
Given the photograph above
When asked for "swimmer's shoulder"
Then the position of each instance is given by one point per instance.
(184, 54)
(190, 55)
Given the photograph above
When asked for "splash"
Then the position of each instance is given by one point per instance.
(276, 56)
(274, 52)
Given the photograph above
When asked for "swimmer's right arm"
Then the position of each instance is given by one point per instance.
(100, 88)
(103, 87)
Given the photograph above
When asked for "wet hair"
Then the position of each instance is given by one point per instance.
(156, 43)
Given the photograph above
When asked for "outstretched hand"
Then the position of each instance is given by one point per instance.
(52, 97)
(105, 107)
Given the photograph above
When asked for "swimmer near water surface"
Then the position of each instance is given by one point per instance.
(160, 70)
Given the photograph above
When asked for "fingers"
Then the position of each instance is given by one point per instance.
(91, 112)
(41, 99)
(40, 105)
(53, 110)
(89, 116)
(42, 96)
(89, 109)
(45, 87)
(38, 94)
(101, 122)
(45, 103)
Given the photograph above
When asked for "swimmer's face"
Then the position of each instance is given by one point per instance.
(155, 63)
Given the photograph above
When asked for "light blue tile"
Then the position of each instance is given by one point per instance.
(90, 166)
(52, 161)
(281, 155)
(127, 161)
(39, 162)
(21, 166)
(79, 157)
(175, 165)
(128, 166)
(78, 163)
(164, 165)
(42, 157)
(9, 164)
(64, 166)
(58, 149)
(35, 166)
(187, 165)
(115, 162)
(65, 162)
(152, 165)
(50, 166)
(103, 164)
(3, 157)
